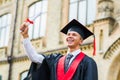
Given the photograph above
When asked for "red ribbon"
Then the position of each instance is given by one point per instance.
(28, 20)
(61, 75)
(94, 46)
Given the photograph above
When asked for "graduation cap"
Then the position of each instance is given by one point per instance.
(76, 26)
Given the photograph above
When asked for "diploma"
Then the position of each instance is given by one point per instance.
(31, 20)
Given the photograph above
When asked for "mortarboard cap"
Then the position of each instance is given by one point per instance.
(76, 26)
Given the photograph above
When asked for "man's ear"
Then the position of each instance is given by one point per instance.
(81, 41)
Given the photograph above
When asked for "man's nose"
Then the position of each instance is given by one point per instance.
(70, 35)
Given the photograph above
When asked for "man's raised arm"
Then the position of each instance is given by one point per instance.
(30, 51)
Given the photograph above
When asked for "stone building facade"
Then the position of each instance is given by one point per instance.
(14, 63)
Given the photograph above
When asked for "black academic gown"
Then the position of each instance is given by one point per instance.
(38, 72)
(87, 69)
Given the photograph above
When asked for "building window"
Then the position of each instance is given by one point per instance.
(0, 77)
(82, 10)
(5, 21)
(23, 75)
(39, 27)
(101, 40)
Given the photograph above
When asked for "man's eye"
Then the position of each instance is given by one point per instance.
(74, 34)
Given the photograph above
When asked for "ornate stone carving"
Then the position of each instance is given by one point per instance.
(105, 9)
(0, 2)
(37, 43)
(4, 1)
(112, 49)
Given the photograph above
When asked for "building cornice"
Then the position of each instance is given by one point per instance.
(104, 20)
(104, 1)
(14, 59)
(62, 50)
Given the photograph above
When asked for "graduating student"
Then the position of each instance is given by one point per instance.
(75, 65)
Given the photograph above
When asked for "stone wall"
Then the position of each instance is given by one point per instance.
(106, 29)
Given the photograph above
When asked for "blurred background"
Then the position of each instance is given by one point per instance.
(102, 17)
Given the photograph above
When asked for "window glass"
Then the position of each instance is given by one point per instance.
(82, 10)
(73, 11)
(5, 21)
(23, 75)
(39, 27)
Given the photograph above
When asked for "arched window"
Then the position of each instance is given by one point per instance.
(23, 75)
(82, 10)
(39, 27)
(5, 22)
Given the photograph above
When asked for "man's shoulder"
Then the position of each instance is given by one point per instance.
(89, 59)
(53, 56)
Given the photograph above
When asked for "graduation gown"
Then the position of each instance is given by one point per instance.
(86, 70)
(38, 72)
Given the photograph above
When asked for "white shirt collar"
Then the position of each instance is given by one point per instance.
(74, 53)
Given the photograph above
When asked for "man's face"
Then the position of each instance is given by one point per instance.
(73, 39)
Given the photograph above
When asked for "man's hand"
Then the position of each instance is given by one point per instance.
(24, 30)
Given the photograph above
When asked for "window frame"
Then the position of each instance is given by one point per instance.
(5, 29)
(87, 19)
(36, 30)
(23, 73)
